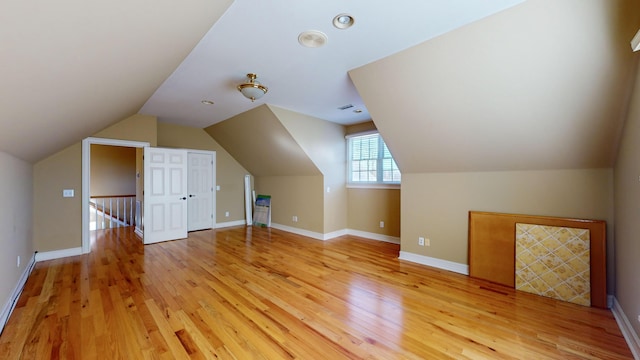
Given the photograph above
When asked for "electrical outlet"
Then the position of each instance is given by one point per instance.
(421, 241)
(294, 219)
(427, 242)
(381, 224)
(226, 214)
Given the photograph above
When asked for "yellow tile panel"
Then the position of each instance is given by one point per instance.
(554, 262)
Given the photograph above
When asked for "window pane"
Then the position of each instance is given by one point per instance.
(371, 161)
(365, 147)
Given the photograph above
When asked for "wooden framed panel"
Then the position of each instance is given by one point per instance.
(492, 248)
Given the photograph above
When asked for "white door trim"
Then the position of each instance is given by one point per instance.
(86, 179)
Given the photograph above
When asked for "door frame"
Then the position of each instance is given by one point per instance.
(86, 179)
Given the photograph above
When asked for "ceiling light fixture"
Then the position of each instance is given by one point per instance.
(312, 38)
(207, 102)
(252, 89)
(343, 21)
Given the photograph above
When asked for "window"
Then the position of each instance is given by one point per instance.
(370, 161)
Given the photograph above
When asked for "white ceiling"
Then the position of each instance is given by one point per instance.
(261, 37)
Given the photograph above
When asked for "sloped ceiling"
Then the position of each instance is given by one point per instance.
(543, 85)
(258, 140)
(261, 37)
(70, 68)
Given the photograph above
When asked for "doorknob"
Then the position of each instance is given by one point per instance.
(191, 195)
(183, 198)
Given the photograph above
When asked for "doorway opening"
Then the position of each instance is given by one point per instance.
(86, 180)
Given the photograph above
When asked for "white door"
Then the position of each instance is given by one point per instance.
(165, 194)
(201, 190)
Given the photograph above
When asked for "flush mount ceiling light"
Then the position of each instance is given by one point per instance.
(252, 89)
(312, 38)
(343, 21)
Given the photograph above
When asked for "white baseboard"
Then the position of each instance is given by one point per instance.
(337, 233)
(374, 236)
(437, 263)
(303, 232)
(57, 254)
(7, 309)
(627, 330)
(231, 223)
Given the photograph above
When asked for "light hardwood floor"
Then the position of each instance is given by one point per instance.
(253, 293)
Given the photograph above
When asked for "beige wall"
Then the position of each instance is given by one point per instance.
(57, 220)
(113, 170)
(361, 127)
(627, 210)
(260, 142)
(16, 194)
(325, 145)
(136, 127)
(299, 196)
(367, 207)
(436, 205)
(541, 85)
(229, 173)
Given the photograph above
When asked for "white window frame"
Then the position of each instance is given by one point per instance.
(368, 184)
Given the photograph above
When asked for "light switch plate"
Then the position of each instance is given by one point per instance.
(68, 193)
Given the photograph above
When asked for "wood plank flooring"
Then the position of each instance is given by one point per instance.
(254, 293)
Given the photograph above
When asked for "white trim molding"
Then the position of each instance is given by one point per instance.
(374, 236)
(337, 233)
(627, 330)
(86, 179)
(7, 309)
(303, 232)
(58, 254)
(434, 262)
(231, 223)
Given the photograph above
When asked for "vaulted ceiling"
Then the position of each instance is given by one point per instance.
(452, 85)
(543, 85)
(70, 68)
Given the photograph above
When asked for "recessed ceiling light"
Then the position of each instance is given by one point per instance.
(312, 38)
(207, 102)
(343, 21)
